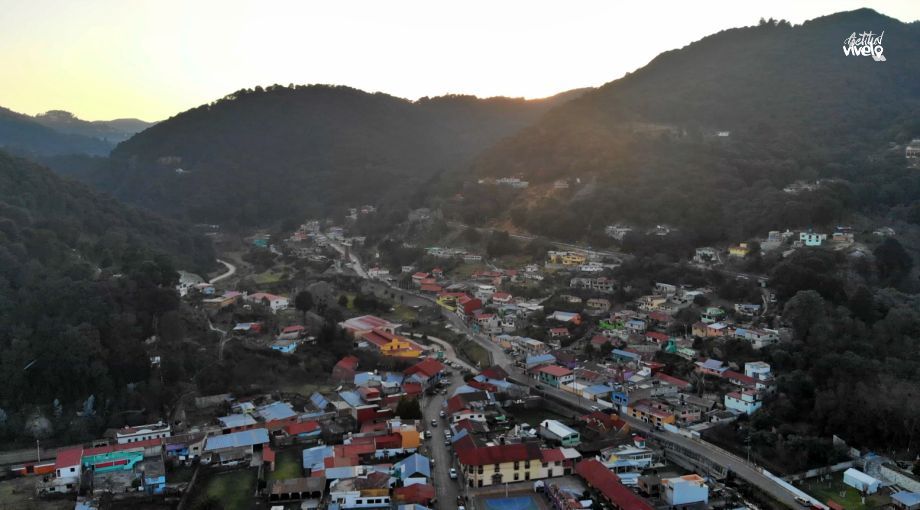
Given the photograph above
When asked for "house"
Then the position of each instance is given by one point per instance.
(142, 433)
(68, 470)
(759, 338)
(712, 314)
(617, 232)
(415, 494)
(745, 401)
(904, 500)
(861, 481)
(554, 375)
(657, 337)
(357, 326)
(293, 332)
(716, 329)
(565, 317)
(415, 467)
(467, 306)
(286, 346)
(502, 298)
(236, 423)
(538, 360)
(230, 449)
(711, 367)
(345, 369)
(739, 250)
(368, 491)
(566, 258)
(912, 151)
(811, 238)
(272, 301)
(558, 332)
(427, 372)
(651, 411)
(599, 304)
(628, 458)
(747, 308)
(304, 430)
(555, 431)
(685, 490)
(486, 322)
(625, 356)
(706, 255)
(417, 278)
(618, 496)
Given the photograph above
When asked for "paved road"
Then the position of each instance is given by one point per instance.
(748, 472)
(447, 489)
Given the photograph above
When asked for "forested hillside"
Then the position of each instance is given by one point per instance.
(25, 136)
(84, 281)
(790, 106)
(260, 155)
(112, 131)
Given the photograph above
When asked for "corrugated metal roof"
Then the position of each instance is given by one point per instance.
(237, 439)
(236, 420)
(276, 411)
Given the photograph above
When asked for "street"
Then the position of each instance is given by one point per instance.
(443, 457)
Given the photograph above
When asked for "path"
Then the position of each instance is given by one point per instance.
(231, 270)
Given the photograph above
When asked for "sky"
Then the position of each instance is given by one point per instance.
(104, 59)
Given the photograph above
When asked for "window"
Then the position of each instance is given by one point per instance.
(73, 469)
(495, 468)
(516, 465)
(517, 477)
(526, 475)
(544, 464)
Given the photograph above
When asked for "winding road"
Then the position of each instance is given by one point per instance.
(231, 270)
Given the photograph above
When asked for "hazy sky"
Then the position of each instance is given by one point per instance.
(152, 59)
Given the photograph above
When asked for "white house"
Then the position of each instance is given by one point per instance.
(142, 433)
(746, 401)
(276, 303)
(685, 490)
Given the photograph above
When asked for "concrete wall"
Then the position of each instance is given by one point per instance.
(899, 477)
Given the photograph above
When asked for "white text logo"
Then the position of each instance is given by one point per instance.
(865, 44)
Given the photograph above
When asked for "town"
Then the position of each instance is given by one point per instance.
(463, 381)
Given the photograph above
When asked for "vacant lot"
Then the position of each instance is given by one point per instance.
(19, 494)
(845, 495)
(288, 464)
(232, 490)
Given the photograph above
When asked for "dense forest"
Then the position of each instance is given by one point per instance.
(84, 281)
(646, 150)
(260, 155)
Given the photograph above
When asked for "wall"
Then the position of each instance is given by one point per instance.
(899, 477)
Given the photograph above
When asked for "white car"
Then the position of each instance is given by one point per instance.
(453, 474)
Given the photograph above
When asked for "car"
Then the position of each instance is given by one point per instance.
(447, 442)
(453, 474)
(802, 501)
(444, 392)
(442, 414)
(434, 423)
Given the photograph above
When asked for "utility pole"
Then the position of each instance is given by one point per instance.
(38, 451)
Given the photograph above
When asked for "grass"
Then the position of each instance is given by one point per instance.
(534, 416)
(473, 352)
(288, 464)
(305, 389)
(404, 313)
(851, 500)
(233, 489)
(268, 277)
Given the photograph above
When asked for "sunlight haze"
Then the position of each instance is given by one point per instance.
(106, 59)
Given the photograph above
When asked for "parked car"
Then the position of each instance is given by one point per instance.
(442, 414)
(434, 423)
(453, 474)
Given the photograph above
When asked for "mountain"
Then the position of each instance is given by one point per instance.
(112, 131)
(259, 155)
(707, 136)
(84, 281)
(26, 136)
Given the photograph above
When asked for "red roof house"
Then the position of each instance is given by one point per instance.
(608, 484)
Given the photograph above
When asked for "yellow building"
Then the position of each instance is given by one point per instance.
(390, 344)
(739, 250)
(648, 412)
(567, 258)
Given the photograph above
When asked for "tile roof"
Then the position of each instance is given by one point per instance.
(555, 370)
(598, 476)
(68, 457)
(482, 456)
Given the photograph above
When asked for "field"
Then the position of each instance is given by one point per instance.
(473, 352)
(288, 464)
(19, 494)
(831, 489)
(233, 490)
(535, 415)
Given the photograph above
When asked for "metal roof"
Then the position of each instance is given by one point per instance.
(236, 420)
(237, 439)
(276, 411)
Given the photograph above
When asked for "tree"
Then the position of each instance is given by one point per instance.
(804, 310)
(303, 301)
(343, 301)
(409, 409)
(892, 259)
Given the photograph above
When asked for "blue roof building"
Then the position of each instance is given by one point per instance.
(539, 359)
(241, 439)
(621, 355)
(313, 458)
(276, 411)
(413, 466)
